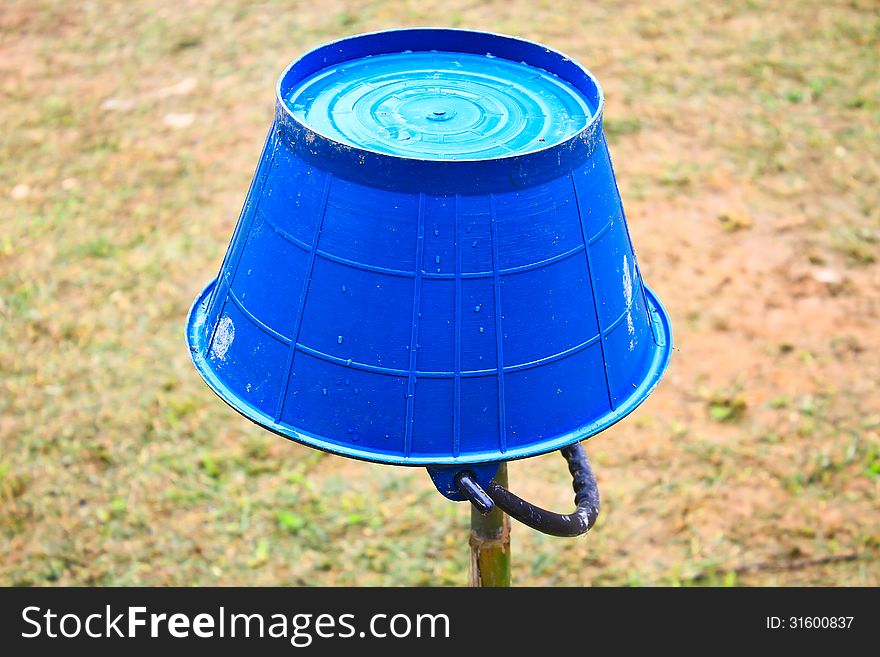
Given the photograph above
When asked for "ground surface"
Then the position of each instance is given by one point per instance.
(746, 138)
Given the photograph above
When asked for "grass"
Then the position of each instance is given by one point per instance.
(746, 138)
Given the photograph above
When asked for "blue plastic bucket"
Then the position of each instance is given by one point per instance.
(432, 266)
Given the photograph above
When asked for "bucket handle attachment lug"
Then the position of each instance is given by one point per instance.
(586, 499)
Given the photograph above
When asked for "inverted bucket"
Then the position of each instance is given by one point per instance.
(412, 281)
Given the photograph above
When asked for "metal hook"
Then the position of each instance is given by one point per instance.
(586, 498)
(474, 492)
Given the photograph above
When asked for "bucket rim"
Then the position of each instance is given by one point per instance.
(663, 338)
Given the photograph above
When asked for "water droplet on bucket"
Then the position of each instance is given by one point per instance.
(482, 329)
(436, 232)
(477, 308)
(343, 289)
(339, 339)
(474, 244)
(324, 390)
(437, 259)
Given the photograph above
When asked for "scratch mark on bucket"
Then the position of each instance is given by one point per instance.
(628, 296)
(223, 337)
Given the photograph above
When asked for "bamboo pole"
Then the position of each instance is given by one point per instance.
(490, 543)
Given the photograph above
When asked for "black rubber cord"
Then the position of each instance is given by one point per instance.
(586, 499)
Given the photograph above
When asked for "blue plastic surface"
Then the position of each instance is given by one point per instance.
(444, 477)
(440, 105)
(401, 306)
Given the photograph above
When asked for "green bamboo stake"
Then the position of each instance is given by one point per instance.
(490, 543)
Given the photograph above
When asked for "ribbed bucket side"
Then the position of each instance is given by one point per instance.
(430, 328)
